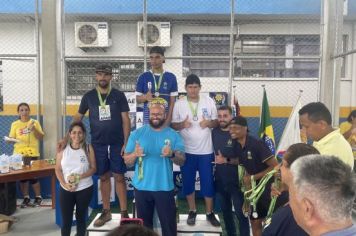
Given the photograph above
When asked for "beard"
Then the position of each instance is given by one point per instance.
(156, 125)
(103, 84)
(223, 125)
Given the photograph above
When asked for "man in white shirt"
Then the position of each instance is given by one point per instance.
(194, 116)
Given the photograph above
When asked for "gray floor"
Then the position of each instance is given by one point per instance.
(35, 221)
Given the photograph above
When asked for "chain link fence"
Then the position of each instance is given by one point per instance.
(235, 47)
(19, 77)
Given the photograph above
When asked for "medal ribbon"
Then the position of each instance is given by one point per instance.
(103, 103)
(192, 109)
(157, 85)
(140, 168)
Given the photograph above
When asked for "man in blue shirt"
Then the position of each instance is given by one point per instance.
(226, 175)
(321, 194)
(156, 83)
(153, 149)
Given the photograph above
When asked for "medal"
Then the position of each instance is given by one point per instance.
(157, 83)
(194, 110)
(254, 215)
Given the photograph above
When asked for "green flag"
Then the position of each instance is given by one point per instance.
(266, 130)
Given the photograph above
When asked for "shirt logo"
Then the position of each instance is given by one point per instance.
(205, 113)
(229, 143)
(165, 85)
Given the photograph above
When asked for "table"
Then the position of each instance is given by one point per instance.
(38, 169)
(201, 227)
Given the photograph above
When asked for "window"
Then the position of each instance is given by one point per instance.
(277, 45)
(206, 45)
(81, 77)
(259, 47)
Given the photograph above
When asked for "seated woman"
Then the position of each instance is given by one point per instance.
(28, 132)
(74, 167)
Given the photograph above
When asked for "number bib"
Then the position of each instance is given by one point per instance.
(104, 113)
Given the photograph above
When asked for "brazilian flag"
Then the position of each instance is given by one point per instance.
(266, 130)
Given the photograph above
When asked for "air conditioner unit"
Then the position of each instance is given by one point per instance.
(158, 34)
(92, 35)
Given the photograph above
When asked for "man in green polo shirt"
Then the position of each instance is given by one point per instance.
(315, 118)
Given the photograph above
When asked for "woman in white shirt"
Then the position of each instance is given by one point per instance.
(74, 167)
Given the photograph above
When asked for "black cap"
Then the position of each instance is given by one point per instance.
(239, 120)
(157, 49)
(192, 79)
(103, 68)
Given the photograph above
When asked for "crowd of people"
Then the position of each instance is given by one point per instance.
(194, 134)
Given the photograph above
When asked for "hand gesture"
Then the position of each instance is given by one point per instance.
(275, 191)
(149, 96)
(219, 158)
(70, 187)
(186, 123)
(167, 150)
(247, 181)
(204, 123)
(138, 150)
(31, 125)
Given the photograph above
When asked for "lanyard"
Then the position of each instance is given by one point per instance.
(103, 103)
(192, 109)
(157, 85)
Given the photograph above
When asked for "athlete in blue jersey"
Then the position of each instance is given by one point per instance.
(156, 83)
(152, 149)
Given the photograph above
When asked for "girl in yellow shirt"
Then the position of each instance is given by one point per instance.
(28, 132)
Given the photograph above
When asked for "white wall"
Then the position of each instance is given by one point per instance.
(21, 76)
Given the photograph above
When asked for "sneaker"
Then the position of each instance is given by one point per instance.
(124, 214)
(103, 218)
(25, 203)
(212, 219)
(37, 202)
(191, 217)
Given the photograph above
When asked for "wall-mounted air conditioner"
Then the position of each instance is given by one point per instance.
(158, 34)
(92, 35)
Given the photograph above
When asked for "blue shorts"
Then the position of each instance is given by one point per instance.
(108, 158)
(203, 164)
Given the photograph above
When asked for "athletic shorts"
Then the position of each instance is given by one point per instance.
(203, 164)
(108, 158)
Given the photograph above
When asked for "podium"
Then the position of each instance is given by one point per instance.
(202, 226)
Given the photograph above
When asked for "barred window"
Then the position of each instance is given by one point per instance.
(81, 77)
(277, 45)
(206, 45)
(259, 47)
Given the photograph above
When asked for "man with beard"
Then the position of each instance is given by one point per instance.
(226, 176)
(153, 149)
(109, 129)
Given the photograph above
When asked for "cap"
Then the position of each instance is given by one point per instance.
(239, 120)
(103, 68)
(157, 49)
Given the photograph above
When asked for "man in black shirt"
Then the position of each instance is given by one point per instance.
(226, 175)
(257, 159)
(109, 128)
